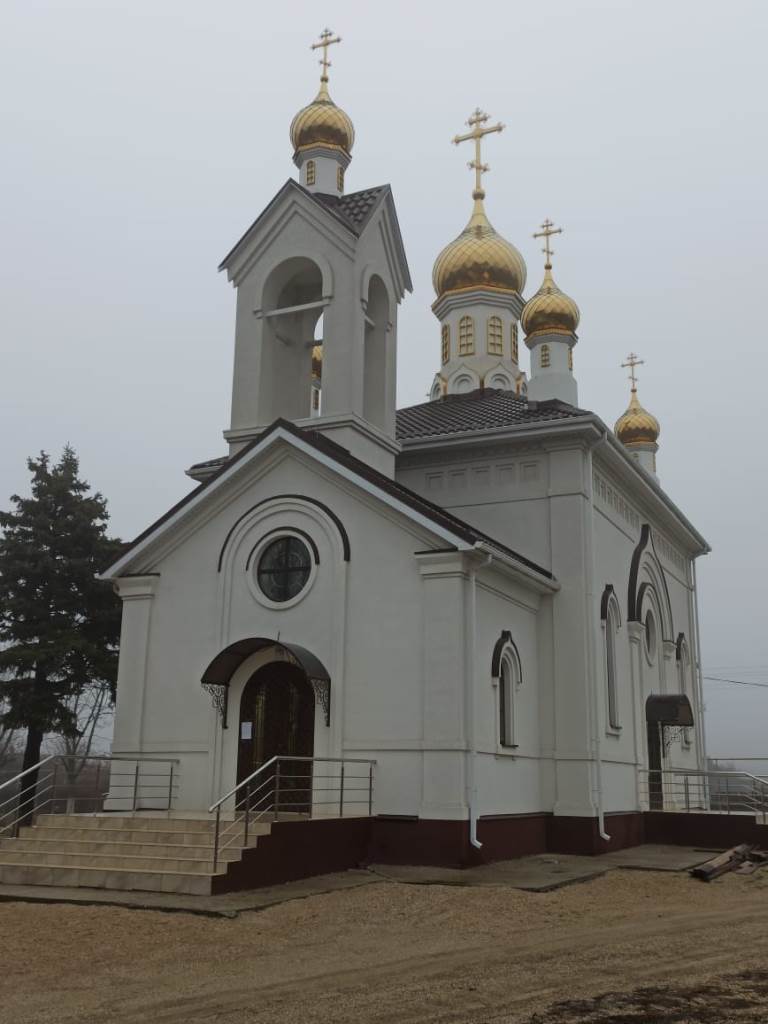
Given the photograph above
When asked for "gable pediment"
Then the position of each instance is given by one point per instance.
(290, 206)
(282, 441)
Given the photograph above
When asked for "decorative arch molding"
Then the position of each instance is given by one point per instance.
(218, 675)
(646, 576)
(607, 600)
(343, 535)
(505, 645)
(461, 374)
(498, 378)
(270, 266)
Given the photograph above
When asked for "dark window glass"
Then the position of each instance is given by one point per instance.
(284, 568)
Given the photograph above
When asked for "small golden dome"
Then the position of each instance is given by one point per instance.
(322, 123)
(637, 426)
(550, 311)
(478, 258)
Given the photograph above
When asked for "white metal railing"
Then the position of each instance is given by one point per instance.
(701, 791)
(68, 783)
(292, 787)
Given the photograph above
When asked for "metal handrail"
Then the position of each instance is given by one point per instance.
(751, 798)
(30, 800)
(34, 768)
(240, 785)
(254, 804)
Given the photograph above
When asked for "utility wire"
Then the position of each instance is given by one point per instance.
(736, 682)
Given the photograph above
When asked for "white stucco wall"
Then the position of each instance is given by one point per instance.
(390, 630)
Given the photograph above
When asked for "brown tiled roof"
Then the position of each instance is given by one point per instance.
(483, 409)
(354, 208)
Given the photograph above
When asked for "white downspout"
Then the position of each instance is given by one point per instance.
(702, 752)
(471, 691)
(591, 665)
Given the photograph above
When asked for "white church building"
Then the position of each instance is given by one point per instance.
(488, 599)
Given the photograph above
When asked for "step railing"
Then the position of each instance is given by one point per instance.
(72, 784)
(694, 791)
(292, 787)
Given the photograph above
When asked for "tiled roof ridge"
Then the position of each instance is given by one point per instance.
(482, 408)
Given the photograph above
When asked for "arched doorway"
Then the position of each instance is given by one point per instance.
(277, 718)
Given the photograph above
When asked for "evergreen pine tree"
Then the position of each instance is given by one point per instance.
(59, 625)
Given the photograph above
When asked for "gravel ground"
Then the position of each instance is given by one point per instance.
(630, 946)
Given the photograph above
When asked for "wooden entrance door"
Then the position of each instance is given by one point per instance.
(277, 718)
(655, 788)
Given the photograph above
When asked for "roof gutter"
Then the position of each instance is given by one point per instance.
(542, 584)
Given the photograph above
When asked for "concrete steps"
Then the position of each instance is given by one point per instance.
(154, 854)
(118, 848)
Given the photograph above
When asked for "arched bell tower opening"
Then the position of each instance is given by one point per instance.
(292, 305)
(376, 368)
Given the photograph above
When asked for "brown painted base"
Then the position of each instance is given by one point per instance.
(300, 849)
(582, 835)
(446, 843)
(719, 831)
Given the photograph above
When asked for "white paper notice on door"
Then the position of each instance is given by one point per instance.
(246, 730)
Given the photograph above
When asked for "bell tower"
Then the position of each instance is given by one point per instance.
(319, 276)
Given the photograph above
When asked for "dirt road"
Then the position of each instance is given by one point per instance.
(630, 946)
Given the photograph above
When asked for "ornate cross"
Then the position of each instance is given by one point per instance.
(547, 230)
(475, 122)
(326, 39)
(632, 362)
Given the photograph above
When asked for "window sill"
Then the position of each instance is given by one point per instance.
(507, 750)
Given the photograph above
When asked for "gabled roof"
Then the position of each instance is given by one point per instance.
(353, 210)
(435, 516)
(482, 409)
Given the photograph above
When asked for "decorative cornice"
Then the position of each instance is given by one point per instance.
(499, 298)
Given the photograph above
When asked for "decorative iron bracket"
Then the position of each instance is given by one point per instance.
(219, 694)
(673, 734)
(322, 688)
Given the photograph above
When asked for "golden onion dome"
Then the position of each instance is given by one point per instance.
(637, 426)
(322, 123)
(479, 258)
(550, 311)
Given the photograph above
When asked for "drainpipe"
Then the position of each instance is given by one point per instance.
(701, 738)
(591, 666)
(471, 691)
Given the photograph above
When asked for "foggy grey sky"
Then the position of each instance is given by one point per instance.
(139, 140)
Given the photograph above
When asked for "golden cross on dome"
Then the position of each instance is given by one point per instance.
(547, 230)
(632, 362)
(326, 39)
(476, 123)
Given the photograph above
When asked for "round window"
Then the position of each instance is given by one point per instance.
(284, 568)
(650, 636)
